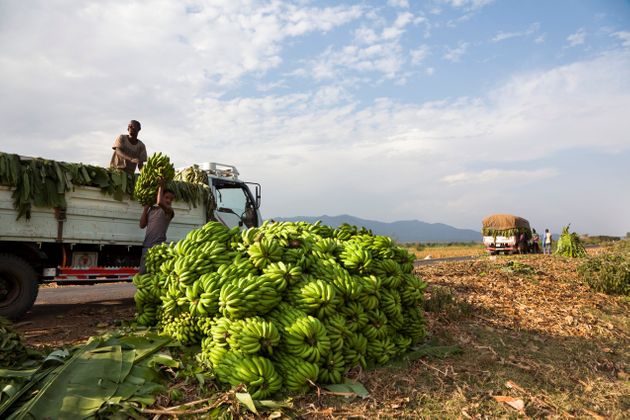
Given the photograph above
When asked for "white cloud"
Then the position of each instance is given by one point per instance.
(404, 4)
(454, 54)
(623, 36)
(500, 176)
(374, 49)
(419, 54)
(577, 38)
(429, 71)
(398, 28)
(540, 39)
(466, 4)
(501, 35)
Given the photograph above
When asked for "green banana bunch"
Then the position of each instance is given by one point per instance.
(412, 290)
(307, 339)
(265, 252)
(370, 295)
(182, 328)
(283, 274)
(377, 325)
(392, 307)
(338, 331)
(220, 331)
(257, 373)
(315, 297)
(381, 350)
(356, 258)
(402, 343)
(157, 255)
(248, 296)
(253, 335)
(298, 374)
(239, 268)
(157, 166)
(332, 368)
(355, 350)
(193, 175)
(355, 316)
(333, 273)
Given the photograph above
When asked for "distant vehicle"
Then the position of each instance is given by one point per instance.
(97, 239)
(502, 231)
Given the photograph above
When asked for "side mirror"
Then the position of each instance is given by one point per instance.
(257, 189)
(257, 196)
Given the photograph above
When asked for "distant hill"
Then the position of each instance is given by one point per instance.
(402, 231)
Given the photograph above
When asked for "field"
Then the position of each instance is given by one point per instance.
(509, 337)
(534, 342)
(422, 251)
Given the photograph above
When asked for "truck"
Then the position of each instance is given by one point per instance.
(501, 233)
(96, 238)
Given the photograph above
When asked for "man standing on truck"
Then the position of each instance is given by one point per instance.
(129, 151)
(156, 220)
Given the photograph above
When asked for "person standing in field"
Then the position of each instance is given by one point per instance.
(535, 242)
(547, 242)
(129, 151)
(156, 219)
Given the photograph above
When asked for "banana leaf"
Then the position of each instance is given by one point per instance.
(43, 183)
(102, 374)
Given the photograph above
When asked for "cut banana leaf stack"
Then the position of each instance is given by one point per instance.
(569, 244)
(44, 183)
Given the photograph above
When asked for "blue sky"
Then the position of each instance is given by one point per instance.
(441, 110)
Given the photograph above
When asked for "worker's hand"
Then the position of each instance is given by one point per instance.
(161, 182)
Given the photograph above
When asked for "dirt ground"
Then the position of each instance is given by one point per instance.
(57, 326)
(535, 343)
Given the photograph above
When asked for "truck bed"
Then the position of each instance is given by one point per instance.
(91, 218)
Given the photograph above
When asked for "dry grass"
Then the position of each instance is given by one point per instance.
(529, 331)
(530, 335)
(540, 338)
(446, 251)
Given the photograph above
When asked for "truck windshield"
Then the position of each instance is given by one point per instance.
(234, 205)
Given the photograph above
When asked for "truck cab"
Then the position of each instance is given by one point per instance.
(236, 204)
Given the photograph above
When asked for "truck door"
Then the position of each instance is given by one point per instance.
(235, 204)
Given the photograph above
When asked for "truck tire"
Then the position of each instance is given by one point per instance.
(18, 286)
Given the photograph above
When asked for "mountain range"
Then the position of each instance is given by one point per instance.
(404, 231)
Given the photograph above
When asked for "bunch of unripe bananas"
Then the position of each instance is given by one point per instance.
(285, 305)
(157, 167)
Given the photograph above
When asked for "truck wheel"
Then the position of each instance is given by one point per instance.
(18, 286)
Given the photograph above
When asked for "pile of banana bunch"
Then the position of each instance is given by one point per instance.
(193, 174)
(157, 167)
(284, 305)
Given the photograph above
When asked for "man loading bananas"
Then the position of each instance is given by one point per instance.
(129, 151)
(156, 220)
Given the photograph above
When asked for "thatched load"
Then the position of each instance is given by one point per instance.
(505, 225)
